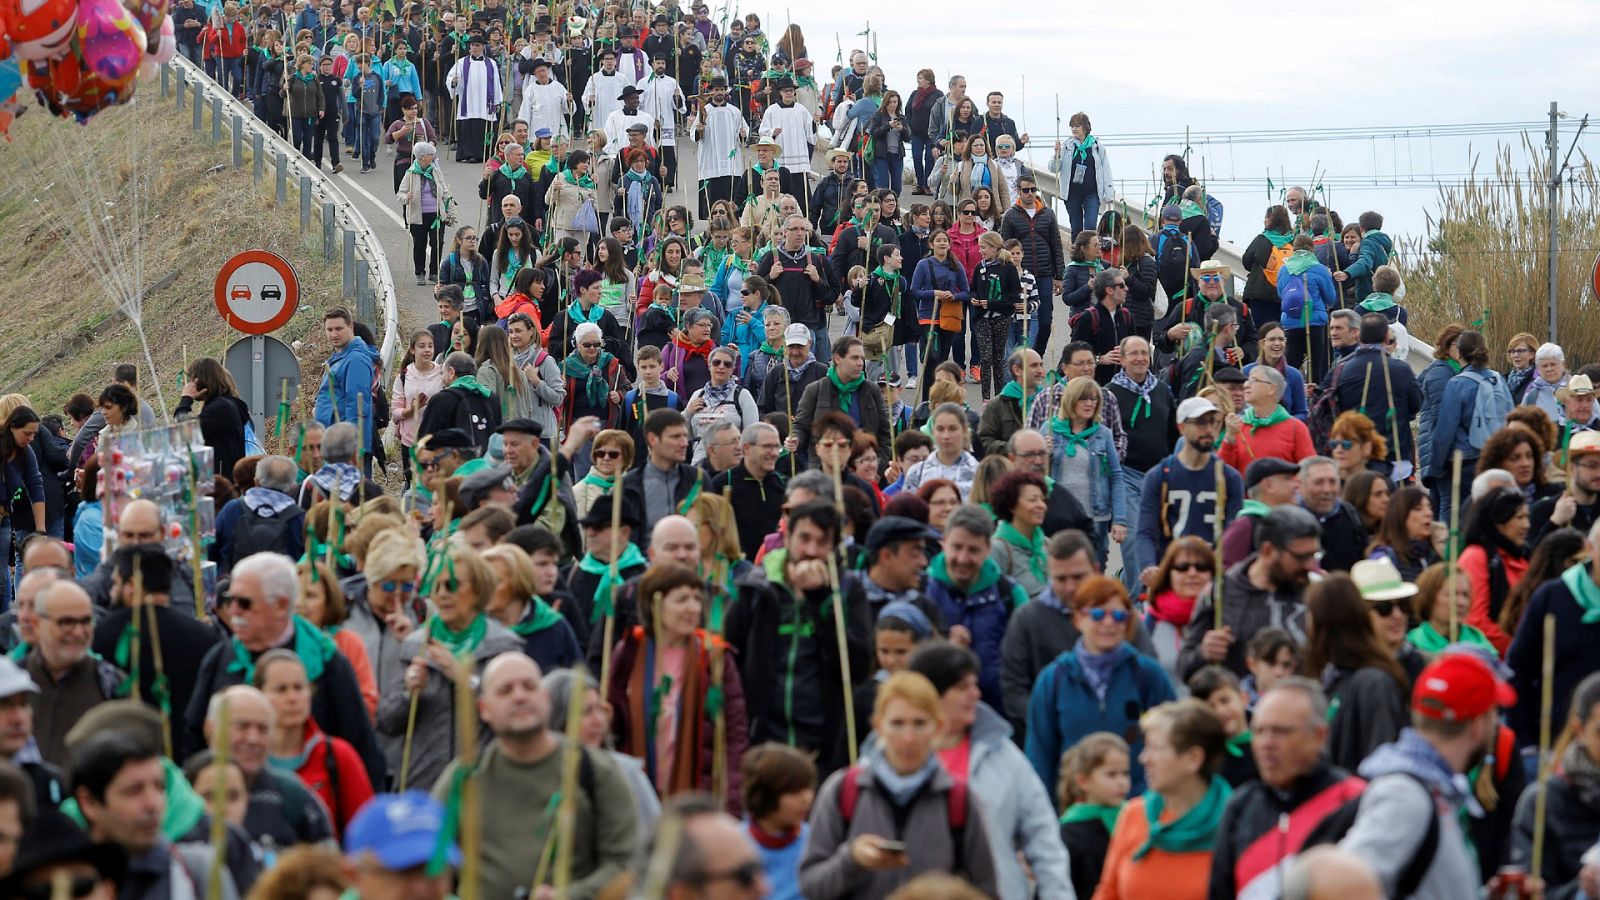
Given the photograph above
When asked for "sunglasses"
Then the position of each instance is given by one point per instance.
(1191, 566)
(1386, 608)
(607, 454)
(430, 465)
(968, 212)
(397, 587)
(1341, 445)
(590, 345)
(73, 622)
(1210, 278)
(722, 364)
(747, 292)
(1023, 190)
(243, 604)
(1099, 613)
(81, 886)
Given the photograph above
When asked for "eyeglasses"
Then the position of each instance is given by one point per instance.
(397, 587)
(1191, 566)
(590, 345)
(969, 212)
(1386, 608)
(1023, 190)
(747, 292)
(1034, 454)
(722, 364)
(74, 622)
(607, 454)
(745, 876)
(80, 886)
(1341, 445)
(1099, 613)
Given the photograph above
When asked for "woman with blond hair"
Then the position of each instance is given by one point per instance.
(1356, 446)
(1084, 460)
(546, 637)
(610, 457)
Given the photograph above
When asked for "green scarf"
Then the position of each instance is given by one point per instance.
(1278, 238)
(1377, 302)
(313, 647)
(1426, 638)
(584, 182)
(1257, 421)
(20, 651)
(988, 575)
(471, 383)
(1239, 744)
(1094, 264)
(461, 642)
(1299, 261)
(592, 378)
(1081, 152)
(1194, 831)
(846, 390)
(769, 350)
(513, 174)
(544, 616)
(575, 311)
(1254, 508)
(631, 557)
(1013, 390)
(600, 481)
(1189, 209)
(1584, 591)
(1073, 439)
(1033, 546)
(1092, 812)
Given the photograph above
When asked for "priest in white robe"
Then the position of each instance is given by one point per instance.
(474, 84)
(793, 127)
(720, 129)
(600, 94)
(662, 100)
(546, 103)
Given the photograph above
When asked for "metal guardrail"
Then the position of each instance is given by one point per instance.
(345, 231)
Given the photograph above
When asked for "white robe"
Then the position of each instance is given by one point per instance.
(719, 144)
(544, 106)
(617, 129)
(663, 100)
(483, 88)
(798, 135)
(601, 93)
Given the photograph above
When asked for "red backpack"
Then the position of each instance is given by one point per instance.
(955, 802)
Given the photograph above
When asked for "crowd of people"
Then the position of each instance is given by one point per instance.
(695, 508)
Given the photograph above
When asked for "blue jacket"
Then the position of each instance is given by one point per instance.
(1294, 390)
(748, 337)
(1064, 709)
(1108, 496)
(398, 82)
(932, 275)
(985, 610)
(1434, 378)
(1375, 250)
(1324, 296)
(1455, 418)
(345, 394)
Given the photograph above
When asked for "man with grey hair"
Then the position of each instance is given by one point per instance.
(712, 847)
(339, 476)
(1489, 479)
(465, 403)
(975, 606)
(721, 447)
(1344, 332)
(787, 378)
(267, 516)
(1266, 821)
(70, 680)
(754, 487)
(1219, 348)
(281, 811)
(260, 606)
(1343, 535)
(1029, 451)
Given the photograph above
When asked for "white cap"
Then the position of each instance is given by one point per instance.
(1194, 408)
(796, 334)
(14, 679)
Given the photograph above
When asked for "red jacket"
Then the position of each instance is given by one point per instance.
(334, 771)
(228, 42)
(1288, 440)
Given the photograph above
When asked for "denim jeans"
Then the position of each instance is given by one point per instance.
(370, 127)
(191, 52)
(213, 71)
(922, 159)
(1133, 486)
(1039, 328)
(305, 132)
(352, 123)
(889, 172)
(1083, 211)
(233, 75)
(821, 345)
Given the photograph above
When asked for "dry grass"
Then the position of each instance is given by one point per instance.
(1483, 259)
(149, 177)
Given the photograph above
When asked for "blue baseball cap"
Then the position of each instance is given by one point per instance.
(399, 830)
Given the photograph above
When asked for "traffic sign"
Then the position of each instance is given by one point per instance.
(266, 373)
(257, 292)
(1594, 276)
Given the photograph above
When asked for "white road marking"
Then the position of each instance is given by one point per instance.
(381, 206)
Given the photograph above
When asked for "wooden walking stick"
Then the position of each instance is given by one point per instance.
(1541, 799)
(838, 616)
(1452, 542)
(567, 816)
(613, 583)
(219, 804)
(1217, 527)
(136, 652)
(467, 757)
(788, 408)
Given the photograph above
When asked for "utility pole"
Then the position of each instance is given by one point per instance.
(1553, 203)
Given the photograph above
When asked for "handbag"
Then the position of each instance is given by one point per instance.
(586, 218)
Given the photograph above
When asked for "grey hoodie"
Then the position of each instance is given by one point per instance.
(1392, 819)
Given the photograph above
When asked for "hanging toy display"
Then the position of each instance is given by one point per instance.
(171, 466)
(79, 56)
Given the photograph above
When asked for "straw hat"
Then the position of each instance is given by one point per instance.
(1578, 386)
(1212, 267)
(1378, 580)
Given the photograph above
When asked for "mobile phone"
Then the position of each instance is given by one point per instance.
(888, 846)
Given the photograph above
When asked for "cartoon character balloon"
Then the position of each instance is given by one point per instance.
(109, 40)
(39, 29)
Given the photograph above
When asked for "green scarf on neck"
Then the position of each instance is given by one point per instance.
(1257, 421)
(1192, 832)
(1278, 238)
(1013, 389)
(846, 389)
(575, 310)
(1239, 744)
(1092, 812)
(592, 379)
(769, 350)
(600, 481)
(1429, 640)
(1377, 301)
(630, 558)
(544, 616)
(418, 169)
(584, 182)
(309, 643)
(1584, 591)
(466, 640)
(1033, 546)
(1081, 152)
(1073, 439)
(1189, 209)
(1299, 261)
(471, 383)
(1252, 507)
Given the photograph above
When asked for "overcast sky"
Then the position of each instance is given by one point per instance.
(1238, 65)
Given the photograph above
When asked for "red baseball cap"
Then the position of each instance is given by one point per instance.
(1458, 687)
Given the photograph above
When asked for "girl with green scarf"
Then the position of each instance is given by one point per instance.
(1094, 786)
(1432, 606)
(1083, 460)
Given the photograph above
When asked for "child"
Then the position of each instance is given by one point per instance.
(778, 784)
(659, 319)
(1094, 783)
(1270, 655)
(882, 305)
(902, 625)
(996, 292)
(1081, 269)
(853, 298)
(1218, 688)
(527, 292)
(622, 230)
(648, 396)
(1028, 307)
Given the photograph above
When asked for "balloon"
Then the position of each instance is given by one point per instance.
(168, 46)
(10, 95)
(109, 40)
(152, 17)
(40, 29)
(71, 88)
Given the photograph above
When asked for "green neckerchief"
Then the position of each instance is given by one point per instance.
(466, 640)
(1257, 421)
(313, 647)
(1278, 238)
(1299, 261)
(1426, 638)
(544, 616)
(1033, 546)
(592, 379)
(602, 593)
(988, 574)
(1082, 152)
(1192, 832)
(1092, 812)
(471, 383)
(308, 79)
(418, 169)
(600, 481)
(1239, 744)
(20, 651)
(581, 317)
(513, 174)
(1189, 209)
(846, 389)
(584, 182)
(1013, 389)
(1094, 264)
(1073, 439)
(1455, 367)
(1377, 301)
(769, 350)
(693, 495)
(1584, 591)
(1252, 507)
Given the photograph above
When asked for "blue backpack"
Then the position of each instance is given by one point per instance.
(1295, 293)
(1489, 409)
(1214, 214)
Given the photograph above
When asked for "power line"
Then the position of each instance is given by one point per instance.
(1312, 135)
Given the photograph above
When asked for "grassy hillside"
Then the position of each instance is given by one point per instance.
(83, 208)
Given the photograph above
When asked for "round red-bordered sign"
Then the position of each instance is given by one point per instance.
(1594, 275)
(257, 292)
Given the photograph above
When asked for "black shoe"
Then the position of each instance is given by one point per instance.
(337, 168)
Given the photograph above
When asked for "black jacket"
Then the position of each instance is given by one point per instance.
(997, 282)
(1142, 293)
(1371, 395)
(828, 202)
(821, 397)
(847, 254)
(633, 490)
(1103, 330)
(497, 186)
(1344, 539)
(806, 300)
(759, 502)
(222, 427)
(467, 410)
(1151, 432)
(185, 641)
(1258, 815)
(1040, 236)
(774, 397)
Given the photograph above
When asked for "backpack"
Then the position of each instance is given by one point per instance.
(1490, 408)
(955, 807)
(1337, 824)
(1093, 312)
(257, 534)
(1173, 255)
(1294, 292)
(1275, 261)
(1214, 213)
(1324, 409)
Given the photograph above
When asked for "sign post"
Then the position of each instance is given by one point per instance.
(257, 293)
